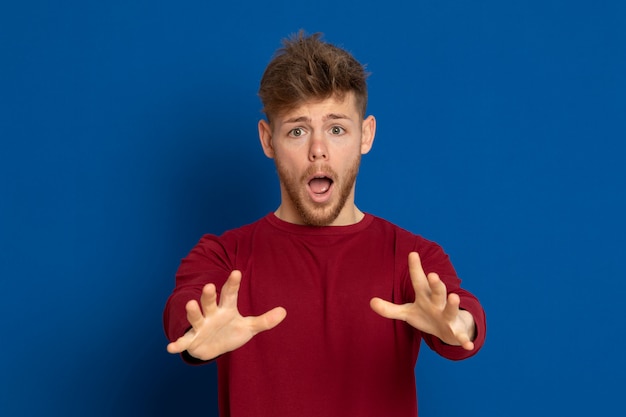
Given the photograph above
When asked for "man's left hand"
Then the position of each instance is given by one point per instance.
(434, 311)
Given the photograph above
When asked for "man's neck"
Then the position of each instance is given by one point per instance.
(347, 216)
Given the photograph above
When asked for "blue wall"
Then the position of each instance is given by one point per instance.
(128, 129)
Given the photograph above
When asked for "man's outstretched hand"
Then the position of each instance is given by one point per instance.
(433, 311)
(219, 328)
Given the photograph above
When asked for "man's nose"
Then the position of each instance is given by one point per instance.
(318, 148)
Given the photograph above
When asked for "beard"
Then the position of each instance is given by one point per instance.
(313, 213)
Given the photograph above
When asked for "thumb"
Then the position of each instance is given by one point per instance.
(181, 344)
(269, 320)
(387, 309)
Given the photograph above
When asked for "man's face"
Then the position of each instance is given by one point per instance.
(317, 150)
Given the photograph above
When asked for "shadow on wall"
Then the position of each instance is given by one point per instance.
(221, 181)
(210, 180)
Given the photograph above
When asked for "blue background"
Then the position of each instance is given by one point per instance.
(128, 129)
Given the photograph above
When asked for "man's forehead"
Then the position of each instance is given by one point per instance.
(334, 107)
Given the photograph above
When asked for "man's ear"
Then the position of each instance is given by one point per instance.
(265, 136)
(367, 134)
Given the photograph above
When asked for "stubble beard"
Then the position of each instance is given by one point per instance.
(312, 213)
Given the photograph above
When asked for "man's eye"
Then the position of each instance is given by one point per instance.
(337, 130)
(296, 132)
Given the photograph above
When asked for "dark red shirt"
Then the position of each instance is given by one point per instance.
(332, 355)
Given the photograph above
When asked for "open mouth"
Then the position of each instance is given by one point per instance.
(320, 184)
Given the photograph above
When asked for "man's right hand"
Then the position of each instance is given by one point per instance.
(217, 329)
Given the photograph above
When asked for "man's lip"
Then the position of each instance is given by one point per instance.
(320, 175)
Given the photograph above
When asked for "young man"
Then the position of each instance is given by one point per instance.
(318, 309)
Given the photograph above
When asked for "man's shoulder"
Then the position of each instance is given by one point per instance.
(400, 233)
(243, 231)
(386, 225)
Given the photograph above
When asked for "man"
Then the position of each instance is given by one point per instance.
(318, 309)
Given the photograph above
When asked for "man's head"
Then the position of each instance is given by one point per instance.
(315, 97)
(306, 69)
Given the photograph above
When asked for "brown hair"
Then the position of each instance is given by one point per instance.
(307, 68)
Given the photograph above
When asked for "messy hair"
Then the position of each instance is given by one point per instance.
(307, 68)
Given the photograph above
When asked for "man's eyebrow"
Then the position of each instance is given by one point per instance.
(335, 116)
(306, 119)
(298, 119)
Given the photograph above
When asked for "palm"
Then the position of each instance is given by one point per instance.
(433, 311)
(220, 328)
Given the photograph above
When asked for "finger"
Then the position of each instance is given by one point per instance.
(451, 309)
(437, 288)
(465, 341)
(388, 310)
(268, 320)
(230, 290)
(208, 299)
(469, 345)
(418, 277)
(454, 300)
(465, 336)
(181, 344)
(194, 314)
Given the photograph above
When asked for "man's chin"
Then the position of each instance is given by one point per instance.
(319, 216)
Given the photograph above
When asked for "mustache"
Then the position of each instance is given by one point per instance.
(314, 169)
